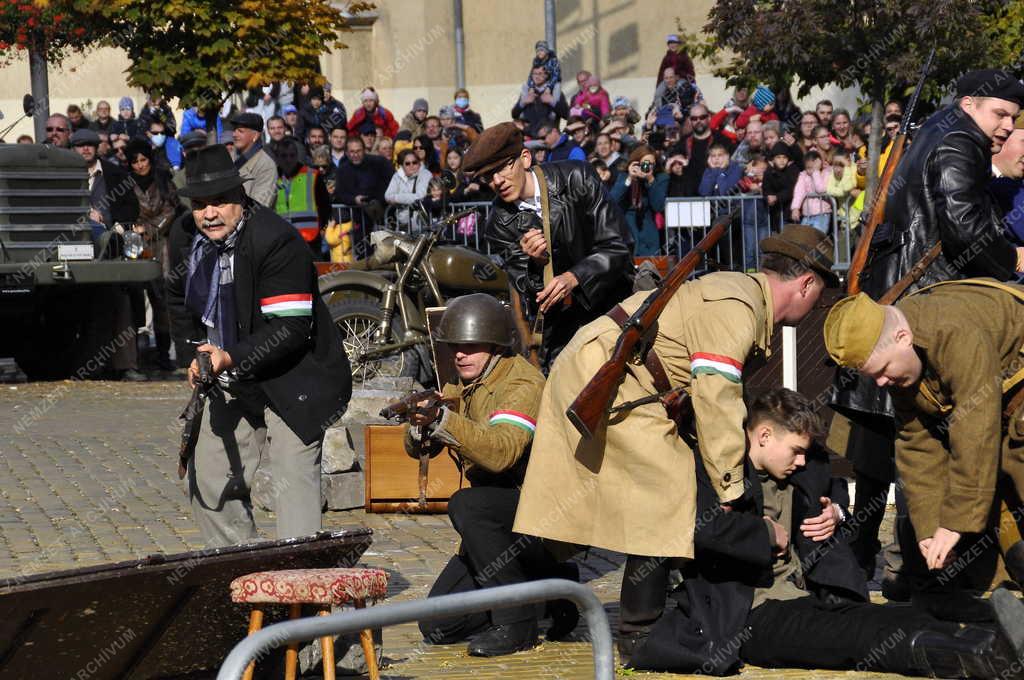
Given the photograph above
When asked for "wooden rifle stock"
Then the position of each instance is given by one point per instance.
(591, 405)
(916, 272)
(860, 256)
(527, 345)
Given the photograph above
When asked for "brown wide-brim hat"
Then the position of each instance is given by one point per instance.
(808, 246)
(493, 148)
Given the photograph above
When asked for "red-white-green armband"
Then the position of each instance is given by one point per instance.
(513, 418)
(703, 363)
(297, 304)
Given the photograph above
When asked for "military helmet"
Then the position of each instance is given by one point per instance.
(475, 318)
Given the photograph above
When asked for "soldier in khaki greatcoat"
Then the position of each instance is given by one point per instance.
(489, 428)
(951, 354)
(631, 488)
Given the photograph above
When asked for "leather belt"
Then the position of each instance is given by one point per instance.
(651, 360)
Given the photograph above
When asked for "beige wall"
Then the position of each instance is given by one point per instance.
(408, 52)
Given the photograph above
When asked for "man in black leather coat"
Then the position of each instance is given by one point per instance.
(591, 262)
(939, 193)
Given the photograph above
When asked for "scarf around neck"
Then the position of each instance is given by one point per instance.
(210, 287)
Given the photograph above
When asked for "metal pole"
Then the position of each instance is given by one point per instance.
(457, 604)
(549, 24)
(41, 91)
(460, 46)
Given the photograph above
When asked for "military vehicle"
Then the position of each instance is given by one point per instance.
(51, 266)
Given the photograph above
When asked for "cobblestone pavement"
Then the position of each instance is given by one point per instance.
(88, 475)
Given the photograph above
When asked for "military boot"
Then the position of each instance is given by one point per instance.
(972, 652)
(506, 638)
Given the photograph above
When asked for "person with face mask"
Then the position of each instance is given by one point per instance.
(166, 149)
(469, 117)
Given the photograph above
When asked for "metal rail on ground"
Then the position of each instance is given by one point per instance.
(301, 630)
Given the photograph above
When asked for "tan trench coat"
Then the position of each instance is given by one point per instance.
(632, 488)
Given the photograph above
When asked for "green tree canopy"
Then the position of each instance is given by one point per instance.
(197, 49)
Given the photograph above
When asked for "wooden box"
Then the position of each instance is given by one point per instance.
(392, 476)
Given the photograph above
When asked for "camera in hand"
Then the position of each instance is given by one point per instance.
(646, 166)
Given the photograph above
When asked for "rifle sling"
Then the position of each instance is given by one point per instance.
(655, 368)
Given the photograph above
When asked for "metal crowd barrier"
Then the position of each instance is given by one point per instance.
(487, 599)
(467, 232)
(688, 219)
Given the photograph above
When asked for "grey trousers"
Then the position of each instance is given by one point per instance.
(239, 433)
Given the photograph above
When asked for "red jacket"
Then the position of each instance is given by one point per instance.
(382, 118)
(743, 119)
(680, 62)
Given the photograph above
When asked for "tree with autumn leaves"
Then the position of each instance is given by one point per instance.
(877, 46)
(199, 51)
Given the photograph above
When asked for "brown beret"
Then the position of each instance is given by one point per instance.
(495, 146)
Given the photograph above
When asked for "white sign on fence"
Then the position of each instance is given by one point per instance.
(688, 214)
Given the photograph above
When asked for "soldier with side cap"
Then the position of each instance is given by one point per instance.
(951, 356)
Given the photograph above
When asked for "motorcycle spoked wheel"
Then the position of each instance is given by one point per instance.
(358, 321)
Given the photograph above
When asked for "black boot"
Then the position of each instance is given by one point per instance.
(563, 613)
(1009, 612)
(973, 652)
(629, 643)
(505, 639)
(953, 604)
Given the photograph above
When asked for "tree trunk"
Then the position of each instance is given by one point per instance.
(41, 91)
(874, 141)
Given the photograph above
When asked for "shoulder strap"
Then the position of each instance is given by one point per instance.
(549, 268)
(1016, 291)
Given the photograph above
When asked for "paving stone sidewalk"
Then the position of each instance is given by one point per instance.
(88, 475)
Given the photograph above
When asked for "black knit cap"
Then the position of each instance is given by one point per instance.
(991, 82)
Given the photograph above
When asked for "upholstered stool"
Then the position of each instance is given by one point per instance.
(324, 587)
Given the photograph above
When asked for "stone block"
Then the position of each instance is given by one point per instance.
(344, 490)
(393, 383)
(338, 455)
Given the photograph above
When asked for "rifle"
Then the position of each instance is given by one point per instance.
(878, 202)
(529, 343)
(402, 410)
(591, 405)
(192, 416)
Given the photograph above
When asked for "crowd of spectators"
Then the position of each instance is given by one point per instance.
(300, 150)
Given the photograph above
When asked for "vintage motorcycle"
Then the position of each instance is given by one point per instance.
(380, 303)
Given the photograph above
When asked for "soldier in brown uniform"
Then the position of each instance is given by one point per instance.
(950, 354)
(490, 430)
(631, 488)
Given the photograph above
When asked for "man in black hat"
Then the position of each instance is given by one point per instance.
(939, 194)
(254, 164)
(561, 239)
(282, 377)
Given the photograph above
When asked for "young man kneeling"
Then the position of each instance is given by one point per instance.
(744, 600)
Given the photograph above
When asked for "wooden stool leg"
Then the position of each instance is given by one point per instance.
(291, 655)
(255, 623)
(327, 650)
(366, 641)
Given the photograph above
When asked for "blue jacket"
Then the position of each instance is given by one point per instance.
(1009, 196)
(565, 149)
(192, 120)
(716, 182)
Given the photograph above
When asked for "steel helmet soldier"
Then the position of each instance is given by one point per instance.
(490, 430)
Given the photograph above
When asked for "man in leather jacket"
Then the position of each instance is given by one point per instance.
(939, 194)
(591, 267)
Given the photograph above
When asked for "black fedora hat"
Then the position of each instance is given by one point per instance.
(209, 172)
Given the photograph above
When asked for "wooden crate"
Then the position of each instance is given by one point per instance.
(392, 476)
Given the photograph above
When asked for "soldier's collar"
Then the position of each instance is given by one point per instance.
(764, 334)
